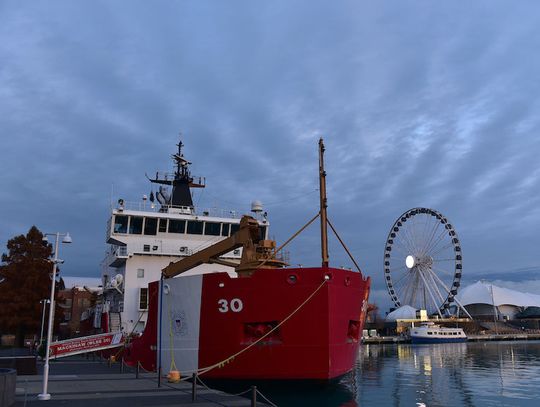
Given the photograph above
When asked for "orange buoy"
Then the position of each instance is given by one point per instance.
(173, 376)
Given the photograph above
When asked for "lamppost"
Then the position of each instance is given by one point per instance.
(66, 239)
(46, 301)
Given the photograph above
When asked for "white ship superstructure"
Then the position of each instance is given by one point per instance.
(146, 236)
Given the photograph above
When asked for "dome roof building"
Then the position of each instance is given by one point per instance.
(403, 312)
(482, 298)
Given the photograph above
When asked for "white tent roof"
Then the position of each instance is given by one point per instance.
(481, 293)
(403, 312)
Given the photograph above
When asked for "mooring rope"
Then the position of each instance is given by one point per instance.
(171, 338)
(266, 398)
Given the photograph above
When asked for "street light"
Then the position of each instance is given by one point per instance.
(46, 301)
(66, 239)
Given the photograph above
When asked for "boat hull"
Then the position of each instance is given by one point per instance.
(284, 324)
(437, 340)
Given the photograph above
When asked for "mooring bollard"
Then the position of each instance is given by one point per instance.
(253, 396)
(194, 387)
(122, 364)
(137, 370)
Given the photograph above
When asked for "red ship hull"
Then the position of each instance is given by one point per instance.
(311, 320)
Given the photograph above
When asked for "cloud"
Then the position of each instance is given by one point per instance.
(419, 106)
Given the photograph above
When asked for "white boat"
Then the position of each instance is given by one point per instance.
(428, 332)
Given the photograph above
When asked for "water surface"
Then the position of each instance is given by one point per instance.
(458, 374)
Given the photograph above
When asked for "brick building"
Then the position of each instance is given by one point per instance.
(76, 300)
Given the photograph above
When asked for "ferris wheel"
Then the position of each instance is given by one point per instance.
(423, 261)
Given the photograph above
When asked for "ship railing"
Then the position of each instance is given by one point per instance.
(170, 176)
(117, 251)
(163, 249)
(153, 207)
(121, 251)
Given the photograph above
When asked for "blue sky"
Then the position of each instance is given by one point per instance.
(421, 103)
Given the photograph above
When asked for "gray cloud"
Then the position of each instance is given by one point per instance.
(420, 104)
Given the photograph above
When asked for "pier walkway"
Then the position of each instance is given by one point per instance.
(77, 381)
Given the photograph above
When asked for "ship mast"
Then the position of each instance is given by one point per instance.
(181, 182)
(322, 213)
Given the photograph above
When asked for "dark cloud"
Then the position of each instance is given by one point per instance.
(420, 104)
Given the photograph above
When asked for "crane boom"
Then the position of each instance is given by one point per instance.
(255, 250)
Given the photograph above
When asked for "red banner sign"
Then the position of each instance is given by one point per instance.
(86, 344)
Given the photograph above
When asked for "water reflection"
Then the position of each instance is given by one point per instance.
(456, 374)
(459, 374)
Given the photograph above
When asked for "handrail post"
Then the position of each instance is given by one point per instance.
(194, 387)
(159, 377)
(253, 396)
(122, 364)
(137, 370)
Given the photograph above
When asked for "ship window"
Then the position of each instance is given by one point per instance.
(150, 226)
(234, 228)
(140, 273)
(135, 225)
(225, 229)
(430, 333)
(195, 227)
(262, 232)
(162, 225)
(143, 298)
(211, 228)
(177, 226)
(120, 224)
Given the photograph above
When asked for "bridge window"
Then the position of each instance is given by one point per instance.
(262, 232)
(162, 225)
(212, 228)
(177, 226)
(234, 228)
(135, 225)
(120, 224)
(195, 227)
(150, 226)
(225, 229)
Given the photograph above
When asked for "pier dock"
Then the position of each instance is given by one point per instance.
(470, 338)
(82, 382)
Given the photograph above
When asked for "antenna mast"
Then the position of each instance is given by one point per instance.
(322, 213)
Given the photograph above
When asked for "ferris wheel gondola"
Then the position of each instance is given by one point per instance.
(423, 262)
